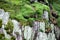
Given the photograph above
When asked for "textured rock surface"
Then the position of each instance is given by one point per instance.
(22, 20)
(29, 33)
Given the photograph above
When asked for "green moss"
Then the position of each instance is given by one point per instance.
(40, 7)
(9, 27)
(12, 14)
(18, 9)
(0, 23)
(27, 10)
(5, 6)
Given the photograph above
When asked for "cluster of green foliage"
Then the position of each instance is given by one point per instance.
(0, 23)
(19, 9)
(25, 10)
(9, 27)
(40, 8)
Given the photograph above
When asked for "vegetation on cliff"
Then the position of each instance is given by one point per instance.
(19, 10)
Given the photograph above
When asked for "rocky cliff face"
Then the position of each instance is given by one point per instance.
(41, 30)
(24, 21)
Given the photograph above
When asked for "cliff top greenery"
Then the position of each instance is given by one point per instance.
(20, 9)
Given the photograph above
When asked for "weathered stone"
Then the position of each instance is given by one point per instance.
(42, 26)
(45, 15)
(16, 30)
(51, 36)
(5, 18)
(27, 32)
(1, 13)
(41, 36)
(57, 32)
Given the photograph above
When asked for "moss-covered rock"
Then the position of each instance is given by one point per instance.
(40, 7)
(9, 27)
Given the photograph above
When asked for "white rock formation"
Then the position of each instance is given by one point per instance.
(1, 13)
(5, 18)
(5, 33)
(27, 32)
(42, 26)
(42, 36)
(36, 25)
(45, 15)
(17, 29)
(51, 36)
